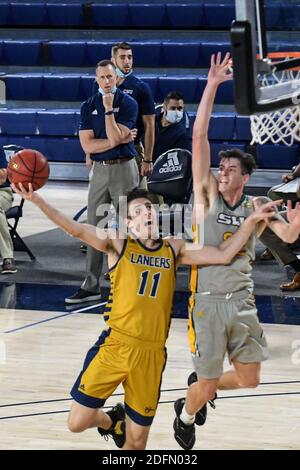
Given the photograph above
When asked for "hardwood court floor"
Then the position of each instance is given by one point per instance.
(39, 364)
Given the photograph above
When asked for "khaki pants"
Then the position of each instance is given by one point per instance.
(6, 246)
(107, 184)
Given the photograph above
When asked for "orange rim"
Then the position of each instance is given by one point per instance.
(283, 55)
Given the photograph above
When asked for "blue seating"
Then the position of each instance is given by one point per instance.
(87, 87)
(283, 46)
(67, 53)
(61, 87)
(291, 17)
(181, 53)
(22, 52)
(147, 53)
(4, 13)
(64, 150)
(186, 85)
(218, 16)
(152, 81)
(3, 140)
(277, 156)
(273, 16)
(30, 142)
(76, 87)
(225, 93)
(139, 15)
(147, 15)
(18, 121)
(111, 15)
(208, 48)
(216, 147)
(243, 131)
(185, 16)
(222, 126)
(66, 14)
(27, 14)
(24, 86)
(57, 122)
(98, 50)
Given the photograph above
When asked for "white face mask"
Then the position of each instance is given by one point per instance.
(102, 92)
(174, 116)
(122, 74)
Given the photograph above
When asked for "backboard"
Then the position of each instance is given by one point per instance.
(251, 63)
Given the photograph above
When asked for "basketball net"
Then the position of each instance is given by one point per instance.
(283, 125)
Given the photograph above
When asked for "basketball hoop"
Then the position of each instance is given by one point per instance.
(282, 125)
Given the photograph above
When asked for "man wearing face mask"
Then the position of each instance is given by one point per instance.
(170, 126)
(122, 57)
(107, 119)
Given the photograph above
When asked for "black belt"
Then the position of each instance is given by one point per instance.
(115, 161)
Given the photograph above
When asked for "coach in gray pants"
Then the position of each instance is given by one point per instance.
(107, 119)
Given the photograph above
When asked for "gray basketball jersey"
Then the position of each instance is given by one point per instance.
(221, 222)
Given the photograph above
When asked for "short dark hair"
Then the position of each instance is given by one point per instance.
(247, 161)
(104, 63)
(137, 193)
(173, 95)
(120, 45)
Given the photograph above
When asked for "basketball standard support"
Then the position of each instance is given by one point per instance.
(249, 96)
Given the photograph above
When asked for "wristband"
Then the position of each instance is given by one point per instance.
(109, 113)
(147, 161)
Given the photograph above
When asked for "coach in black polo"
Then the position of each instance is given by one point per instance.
(107, 119)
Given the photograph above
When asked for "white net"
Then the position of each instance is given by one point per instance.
(283, 125)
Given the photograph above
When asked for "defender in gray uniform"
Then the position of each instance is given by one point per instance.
(223, 315)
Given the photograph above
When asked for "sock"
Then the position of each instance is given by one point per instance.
(295, 265)
(187, 419)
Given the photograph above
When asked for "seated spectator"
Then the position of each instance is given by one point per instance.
(171, 126)
(277, 249)
(6, 200)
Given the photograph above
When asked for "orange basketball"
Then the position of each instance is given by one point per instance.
(28, 166)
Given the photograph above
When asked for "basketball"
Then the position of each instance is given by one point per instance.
(28, 166)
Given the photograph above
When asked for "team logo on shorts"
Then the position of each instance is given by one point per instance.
(148, 410)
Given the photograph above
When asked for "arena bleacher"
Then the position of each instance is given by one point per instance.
(48, 53)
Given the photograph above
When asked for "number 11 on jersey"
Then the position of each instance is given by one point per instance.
(145, 275)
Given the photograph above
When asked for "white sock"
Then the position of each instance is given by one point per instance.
(187, 419)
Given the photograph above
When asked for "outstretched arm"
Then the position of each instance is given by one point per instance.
(93, 236)
(205, 185)
(192, 253)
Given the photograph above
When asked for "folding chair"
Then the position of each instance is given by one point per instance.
(16, 212)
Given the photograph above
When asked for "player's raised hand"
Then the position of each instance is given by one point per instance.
(219, 71)
(264, 211)
(293, 215)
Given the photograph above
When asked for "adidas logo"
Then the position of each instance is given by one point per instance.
(171, 165)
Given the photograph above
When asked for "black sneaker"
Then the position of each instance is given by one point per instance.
(117, 429)
(184, 435)
(9, 266)
(82, 296)
(201, 415)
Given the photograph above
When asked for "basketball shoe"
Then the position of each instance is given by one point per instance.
(117, 429)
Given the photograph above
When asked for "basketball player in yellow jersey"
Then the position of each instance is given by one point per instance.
(132, 350)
